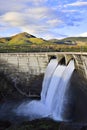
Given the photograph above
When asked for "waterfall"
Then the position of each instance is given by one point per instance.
(54, 87)
(59, 97)
(47, 77)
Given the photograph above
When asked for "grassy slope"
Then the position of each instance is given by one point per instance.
(80, 41)
(37, 40)
(25, 38)
(22, 39)
(30, 43)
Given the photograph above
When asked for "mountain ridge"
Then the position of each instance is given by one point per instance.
(70, 40)
(26, 38)
(21, 38)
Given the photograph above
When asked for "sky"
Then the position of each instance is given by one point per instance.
(46, 19)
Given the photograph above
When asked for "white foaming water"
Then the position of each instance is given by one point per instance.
(54, 86)
(60, 92)
(47, 78)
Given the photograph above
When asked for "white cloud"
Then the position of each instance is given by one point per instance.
(83, 34)
(38, 12)
(49, 36)
(39, 17)
(78, 3)
(11, 5)
(54, 22)
(38, 2)
(69, 11)
(19, 5)
(52, 36)
(33, 19)
(14, 18)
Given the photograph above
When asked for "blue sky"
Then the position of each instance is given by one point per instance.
(44, 18)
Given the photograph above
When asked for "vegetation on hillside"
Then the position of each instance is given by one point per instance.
(80, 41)
(25, 42)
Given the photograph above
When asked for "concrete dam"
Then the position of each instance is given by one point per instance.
(24, 72)
(25, 68)
(36, 63)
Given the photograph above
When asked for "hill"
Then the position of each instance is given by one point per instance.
(80, 41)
(21, 39)
(24, 42)
(27, 39)
(4, 40)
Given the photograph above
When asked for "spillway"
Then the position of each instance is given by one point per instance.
(54, 87)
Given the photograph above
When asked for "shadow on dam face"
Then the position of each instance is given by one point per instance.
(52, 57)
(62, 61)
(77, 99)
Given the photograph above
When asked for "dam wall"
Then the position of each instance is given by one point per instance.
(36, 63)
(23, 67)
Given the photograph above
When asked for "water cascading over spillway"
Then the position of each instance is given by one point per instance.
(54, 86)
(47, 78)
